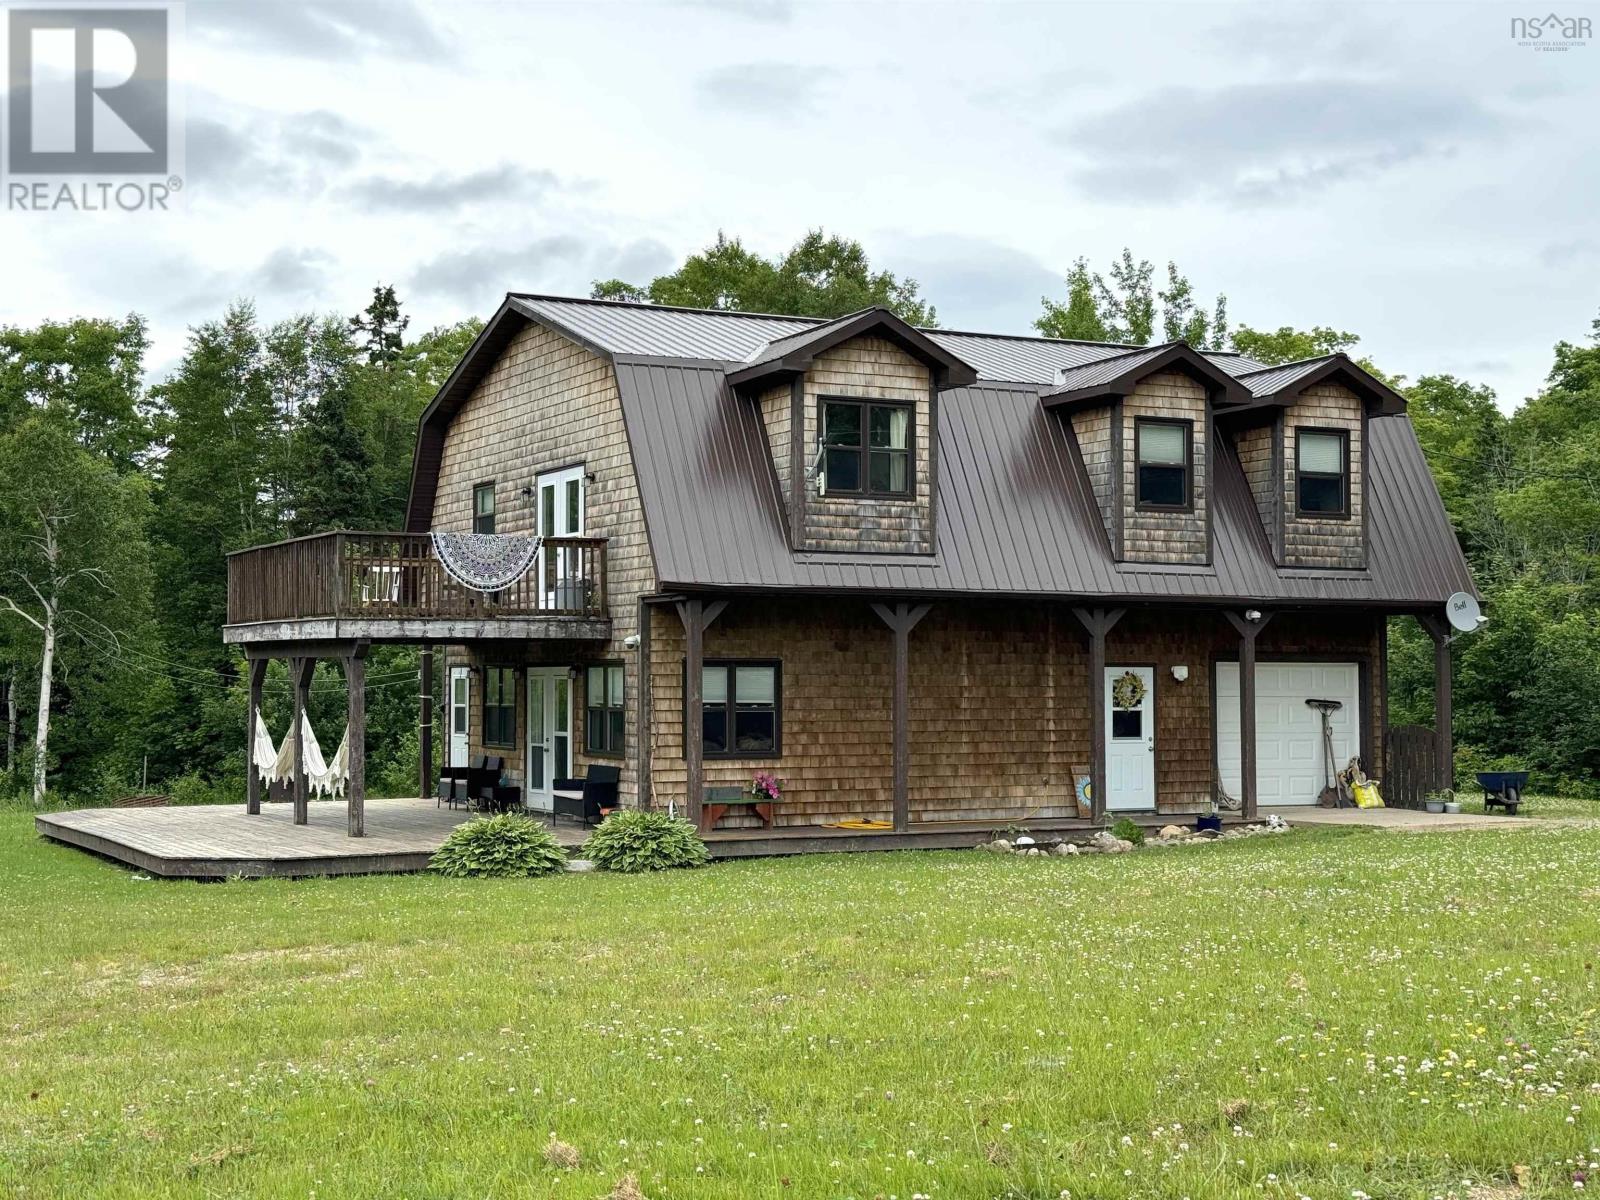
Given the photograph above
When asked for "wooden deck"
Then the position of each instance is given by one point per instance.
(221, 842)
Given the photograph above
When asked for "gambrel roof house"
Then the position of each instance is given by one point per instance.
(927, 578)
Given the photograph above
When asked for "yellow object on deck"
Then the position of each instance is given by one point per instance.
(857, 823)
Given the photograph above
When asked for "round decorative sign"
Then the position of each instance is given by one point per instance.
(1127, 691)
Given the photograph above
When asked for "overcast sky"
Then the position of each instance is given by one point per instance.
(1406, 172)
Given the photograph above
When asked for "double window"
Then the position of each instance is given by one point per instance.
(604, 715)
(1322, 472)
(483, 508)
(741, 708)
(866, 448)
(499, 706)
(1164, 452)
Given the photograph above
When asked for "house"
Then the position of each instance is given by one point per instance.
(923, 577)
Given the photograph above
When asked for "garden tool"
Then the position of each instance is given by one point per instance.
(1332, 794)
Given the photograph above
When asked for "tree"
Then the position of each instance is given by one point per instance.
(1287, 344)
(89, 371)
(73, 544)
(381, 327)
(313, 365)
(1124, 306)
(820, 276)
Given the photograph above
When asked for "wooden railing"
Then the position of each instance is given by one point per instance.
(390, 575)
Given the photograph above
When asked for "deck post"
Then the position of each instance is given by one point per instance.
(1247, 630)
(425, 722)
(355, 678)
(1097, 622)
(1443, 717)
(697, 617)
(301, 670)
(252, 779)
(901, 620)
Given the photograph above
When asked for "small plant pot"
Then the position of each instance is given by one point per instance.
(1434, 806)
(1210, 823)
(1452, 806)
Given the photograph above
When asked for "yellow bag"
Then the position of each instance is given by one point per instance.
(1366, 794)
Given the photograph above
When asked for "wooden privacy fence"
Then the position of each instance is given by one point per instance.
(391, 575)
(1412, 770)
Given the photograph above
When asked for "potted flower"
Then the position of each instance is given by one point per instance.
(765, 787)
(1209, 821)
(1438, 802)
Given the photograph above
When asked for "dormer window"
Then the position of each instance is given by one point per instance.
(1322, 471)
(1165, 464)
(483, 508)
(866, 448)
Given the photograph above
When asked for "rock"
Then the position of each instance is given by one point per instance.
(1000, 846)
(1109, 843)
(1025, 840)
(1064, 850)
(580, 865)
(1172, 833)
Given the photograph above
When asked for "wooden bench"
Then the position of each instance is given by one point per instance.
(718, 800)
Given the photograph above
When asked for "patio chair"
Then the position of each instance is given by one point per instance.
(589, 799)
(452, 792)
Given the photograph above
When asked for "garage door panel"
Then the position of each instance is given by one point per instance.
(1289, 766)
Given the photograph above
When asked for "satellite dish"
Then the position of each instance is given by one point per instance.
(1463, 612)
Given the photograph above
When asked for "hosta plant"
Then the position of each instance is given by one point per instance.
(505, 847)
(633, 841)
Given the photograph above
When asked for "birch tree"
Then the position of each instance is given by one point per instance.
(71, 551)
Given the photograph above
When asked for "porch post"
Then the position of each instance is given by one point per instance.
(252, 780)
(641, 701)
(301, 670)
(355, 677)
(425, 721)
(901, 620)
(1097, 622)
(1443, 717)
(697, 617)
(1247, 630)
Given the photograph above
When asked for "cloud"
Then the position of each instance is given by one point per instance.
(1261, 143)
(328, 30)
(563, 263)
(448, 191)
(1348, 34)
(286, 153)
(765, 12)
(767, 89)
(1574, 253)
(974, 283)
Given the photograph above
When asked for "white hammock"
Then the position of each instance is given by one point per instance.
(321, 778)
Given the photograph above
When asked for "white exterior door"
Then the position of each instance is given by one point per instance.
(1130, 739)
(549, 735)
(1289, 753)
(460, 709)
(561, 503)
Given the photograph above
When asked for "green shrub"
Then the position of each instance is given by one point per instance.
(192, 789)
(633, 841)
(508, 846)
(1128, 830)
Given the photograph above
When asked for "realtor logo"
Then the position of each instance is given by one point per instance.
(90, 95)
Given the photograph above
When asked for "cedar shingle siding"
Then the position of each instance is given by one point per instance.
(1169, 537)
(870, 368)
(1324, 541)
(548, 403)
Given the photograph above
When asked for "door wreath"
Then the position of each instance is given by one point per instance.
(1127, 691)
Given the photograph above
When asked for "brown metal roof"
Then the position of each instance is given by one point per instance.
(1015, 516)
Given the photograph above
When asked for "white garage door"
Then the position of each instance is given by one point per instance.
(1289, 766)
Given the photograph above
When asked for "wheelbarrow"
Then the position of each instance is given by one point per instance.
(1503, 789)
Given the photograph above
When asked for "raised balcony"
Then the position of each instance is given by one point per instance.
(391, 587)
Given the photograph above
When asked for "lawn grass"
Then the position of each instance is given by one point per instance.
(1323, 1013)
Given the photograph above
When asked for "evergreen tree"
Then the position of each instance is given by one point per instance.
(380, 327)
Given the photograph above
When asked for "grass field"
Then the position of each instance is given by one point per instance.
(1326, 1014)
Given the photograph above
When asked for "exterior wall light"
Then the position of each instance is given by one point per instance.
(1180, 672)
